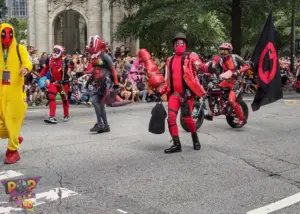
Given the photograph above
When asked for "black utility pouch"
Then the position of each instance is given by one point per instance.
(185, 109)
(101, 90)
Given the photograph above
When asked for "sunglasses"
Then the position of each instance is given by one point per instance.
(223, 52)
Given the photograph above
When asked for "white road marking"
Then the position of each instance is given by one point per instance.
(9, 174)
(7, 210)
(286, 202)
(289, 100)
(122, 211)
(33, 111)
(51, 195)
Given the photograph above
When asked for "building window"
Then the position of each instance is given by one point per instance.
(19, 8)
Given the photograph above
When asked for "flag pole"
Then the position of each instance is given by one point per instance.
(293, 35)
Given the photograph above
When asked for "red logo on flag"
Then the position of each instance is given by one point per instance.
(267, 76)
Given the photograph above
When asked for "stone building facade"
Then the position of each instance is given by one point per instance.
(72, 22)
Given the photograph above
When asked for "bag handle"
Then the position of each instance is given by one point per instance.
(159, 100)
(18, 52)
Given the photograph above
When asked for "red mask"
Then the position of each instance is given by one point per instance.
(7, 36)
(179, 46)
(96, 45)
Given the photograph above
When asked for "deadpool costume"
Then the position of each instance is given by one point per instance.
(181, 86)
(104, 78)
(58, 83)
(14, 65)
(232, 66)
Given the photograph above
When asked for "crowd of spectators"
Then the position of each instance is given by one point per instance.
(132, 80)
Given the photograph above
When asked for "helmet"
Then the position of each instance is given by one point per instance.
(58, 51)
(226, 46)
(225, 50)
(179, 36)
(96, 44)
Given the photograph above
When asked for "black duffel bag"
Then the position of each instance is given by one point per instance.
(157, 121)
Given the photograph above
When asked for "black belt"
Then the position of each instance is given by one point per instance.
(60, 82)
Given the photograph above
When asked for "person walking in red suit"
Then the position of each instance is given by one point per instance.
(59, 83)
(181, 86)
(232, 66)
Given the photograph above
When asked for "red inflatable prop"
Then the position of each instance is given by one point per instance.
(155, 77)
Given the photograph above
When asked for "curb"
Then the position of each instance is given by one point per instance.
(59, 102)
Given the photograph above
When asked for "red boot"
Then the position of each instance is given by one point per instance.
(20, 141)
(12, 157)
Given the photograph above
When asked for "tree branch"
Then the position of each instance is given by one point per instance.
(227, 12)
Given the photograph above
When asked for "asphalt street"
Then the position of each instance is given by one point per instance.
(126, 171)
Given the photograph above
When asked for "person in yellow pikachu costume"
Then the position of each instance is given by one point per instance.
(14, 65)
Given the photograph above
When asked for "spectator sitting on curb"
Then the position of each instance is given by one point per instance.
(36, 94)
(76, 96)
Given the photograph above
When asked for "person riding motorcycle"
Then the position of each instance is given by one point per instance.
(233, 66)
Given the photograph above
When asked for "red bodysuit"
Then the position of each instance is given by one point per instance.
(57, 84)
(235, 64)
(181, 86)
(175, 97)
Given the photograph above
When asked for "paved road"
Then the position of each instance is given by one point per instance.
(126, 171)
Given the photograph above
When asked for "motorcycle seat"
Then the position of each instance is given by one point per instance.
(219, 89)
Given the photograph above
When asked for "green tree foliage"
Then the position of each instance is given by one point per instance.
(208, 22)
(20, 26)
(3, 9)
(156, 22)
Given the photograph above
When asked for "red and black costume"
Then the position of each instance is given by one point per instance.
(181, 86)
(105, 80)
(59, 83)
(232, 67)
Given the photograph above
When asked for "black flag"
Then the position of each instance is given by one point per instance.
(266, 67)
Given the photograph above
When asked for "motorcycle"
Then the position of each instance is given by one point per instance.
(217, 98)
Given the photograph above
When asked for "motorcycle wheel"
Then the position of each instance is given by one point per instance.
(198, 121)
(232, 121)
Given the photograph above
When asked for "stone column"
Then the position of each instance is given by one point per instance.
(41, 25)
(116, 17)
(82, 26)
(106, 21)
(31, 23)
(94, 17)
(134, 46)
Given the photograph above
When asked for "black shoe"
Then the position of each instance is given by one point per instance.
(104, 128)
(176, 146)
(96, 128)
(208, 117)
(51, 120)
(196, 142)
